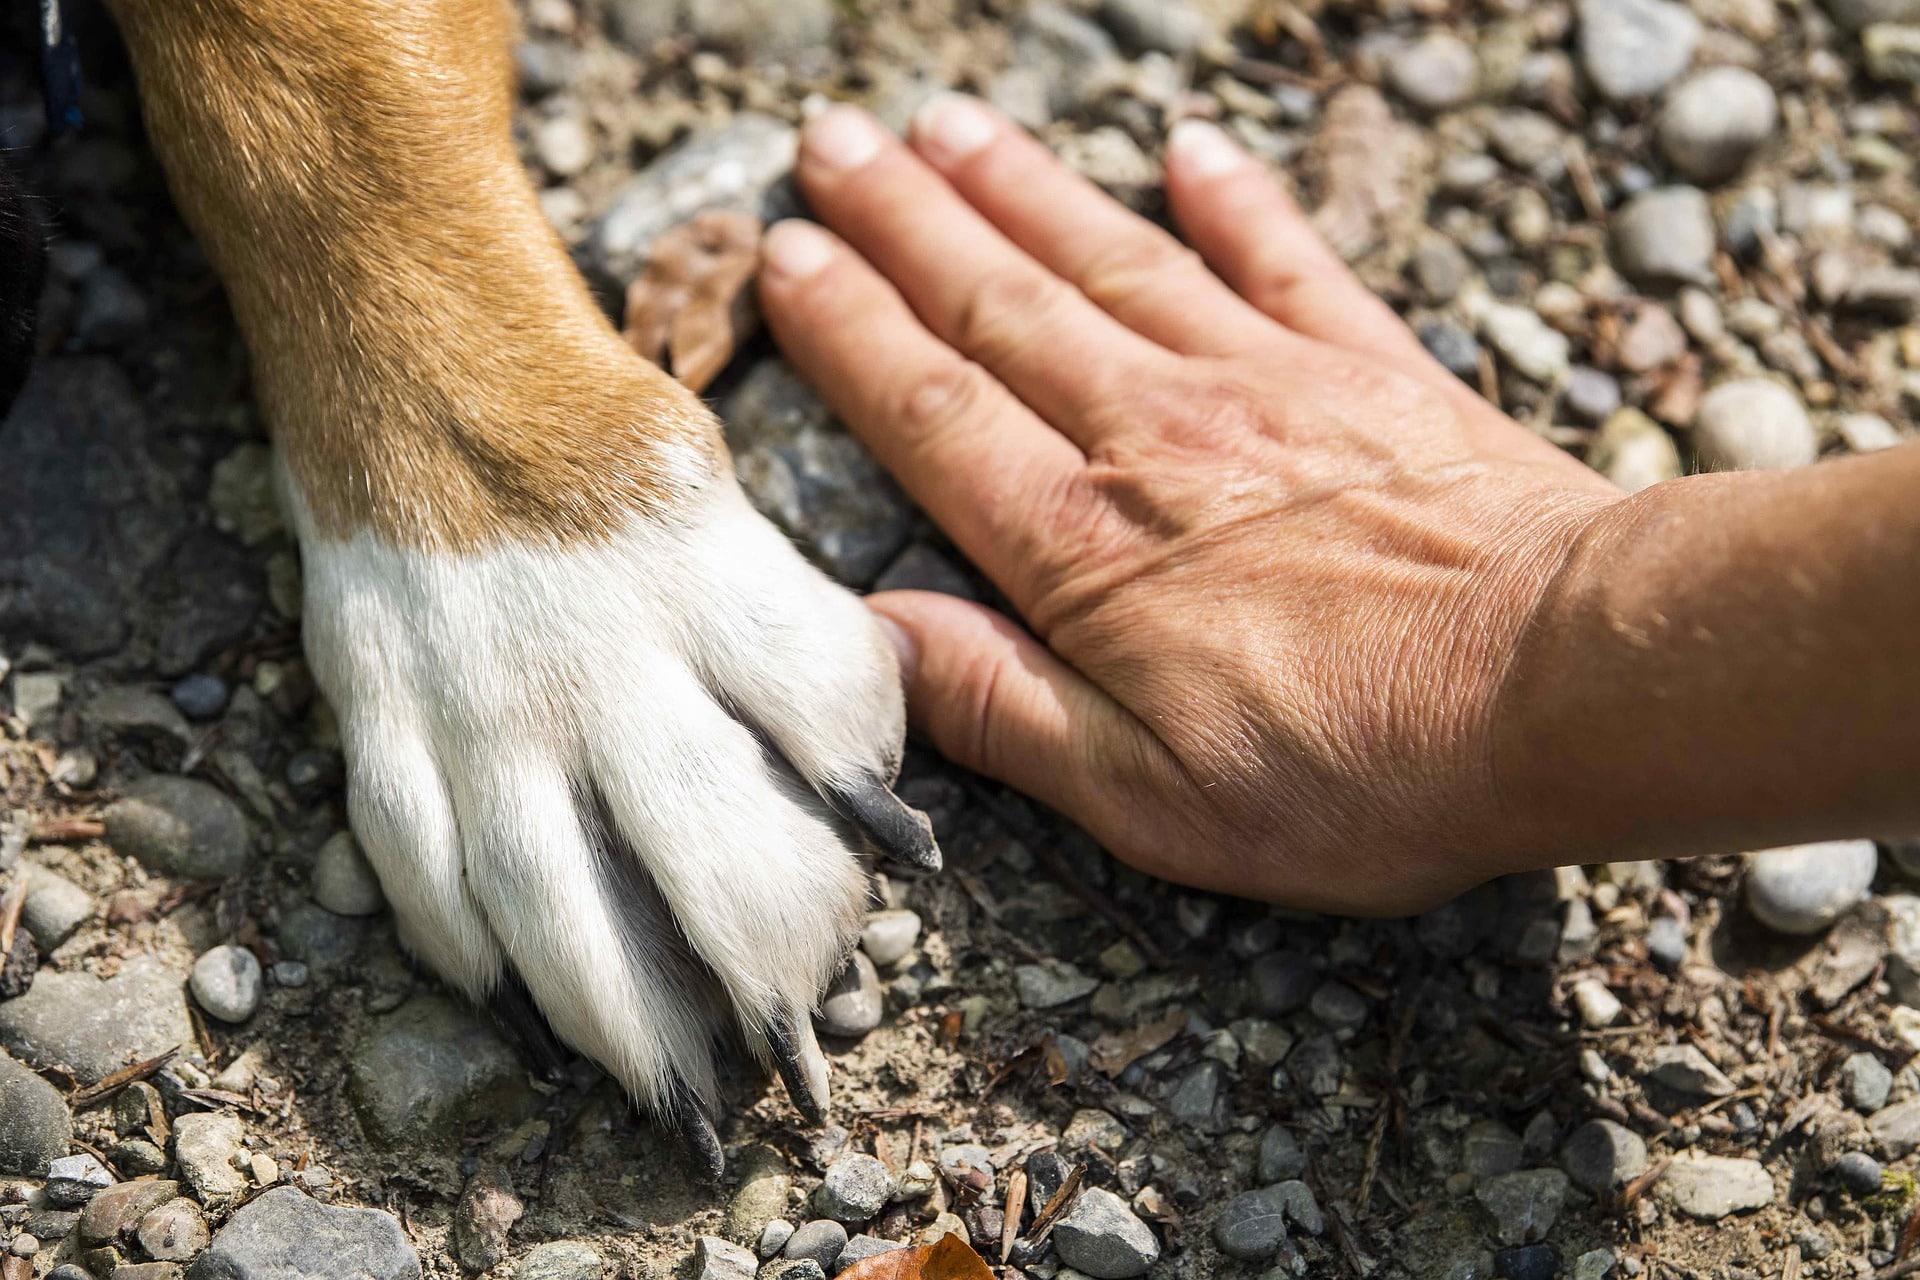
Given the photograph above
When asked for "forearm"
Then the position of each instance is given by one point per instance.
(1729, 662)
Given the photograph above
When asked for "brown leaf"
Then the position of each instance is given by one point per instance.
(949, 1258)
(1114, 1053)
(692, 305)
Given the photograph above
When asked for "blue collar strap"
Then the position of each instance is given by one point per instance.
(59, 69)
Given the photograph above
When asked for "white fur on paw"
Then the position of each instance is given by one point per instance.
(558, 760)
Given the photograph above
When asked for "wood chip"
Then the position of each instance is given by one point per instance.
(1058, 1204)
(1016, 1208)
(692, 305)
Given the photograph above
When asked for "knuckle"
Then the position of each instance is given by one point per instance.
(1131, 265)
(1003, 309)
(935, 400)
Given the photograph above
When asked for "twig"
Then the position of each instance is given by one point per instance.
(1377, 1136)
(1631, 1193)
(1899, 1270)
(1016, 1204)
(110, 1085)
(49, 830)
(10, 908)
(1057, 1206)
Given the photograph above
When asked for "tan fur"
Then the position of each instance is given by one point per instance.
(432, 365)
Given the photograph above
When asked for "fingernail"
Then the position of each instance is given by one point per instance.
(843, 138)
(951, 127)
(1202, 150)
(903, 648)
(796, 249)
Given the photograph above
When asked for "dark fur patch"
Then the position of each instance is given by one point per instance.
(23, 270)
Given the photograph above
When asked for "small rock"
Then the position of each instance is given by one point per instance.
(1892, 51)
(1750, 424)
(1857, 14)
(1280, 983)
(317, 937)
(1051, 983)
(1155, 26)
(91, 1028)
(1280, 1159)
(179, 827)
(1713, 123)
(1102, 1238)
(1527, 1262)
(1319, 1065)
(1435, 73)
(200, 697)
(35, 1126)
(1339, 1006)
(1488, 1149)
(1527, 140)
(74, 1180)
(1865, 1082)
(205, 1142)
(1805, 888)
(421, 1071)
(226, 982)
(1589, 394)
(1596, 1004)
(853, 1004)
(1303, 1210)
(860, 1248)
(1523, 1204)
(1686, 1070)
(121, 1206)
(1078, 61)
(283, 1234)
(560, 1260)
(1868, 433)
(563, 145)
(1665, 236)
(1252, 1226)
(487, 1210)
(1711, 1187)
(1667, 942)
(343, 882)
(1653, 339)
(55, 907)
(1453, 347)
(889, 935)
(820, 1241)
(111, 311)
(774, 1237)
(1634, 48)
(1526, 341)
(737, 166)
(1194, 1098)
(1602, 1156)
(855, 1188)
(1859, 1173)
(797, 1269)
(174, 1232)
(717, 1259)
(762, 1195)
(1896, 1128)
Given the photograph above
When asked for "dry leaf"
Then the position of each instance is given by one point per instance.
(1114, 1053)
(949, 1258)
(692, 304)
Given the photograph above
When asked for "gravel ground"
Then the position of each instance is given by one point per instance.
(1668, 238)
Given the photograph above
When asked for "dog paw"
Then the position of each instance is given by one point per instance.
(632, 774)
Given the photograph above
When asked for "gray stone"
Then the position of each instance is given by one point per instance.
(1196, 1095)
(1711, 1187)
(1281, 982)
(1051, 983)
(1602, 1156)
(1686, 1070)
(1892, 51)
(860, 1248)
(1303, 1211)
(820, 1241)
(856, 1187)
(1102, 1238)
(226, 982)
(1452, 346)
(717, 1259)
(174, 1232)
(1714, 122)
(805, 473)
(74, 1180)
(1750, 424)
(343, 882)
(1155, 26)
(55, 907)
(92, 1028)
(1865, 1082)
(1280, 1158)
(180, 827)
(1439, 268)
(1896, 1128)
(35, 1127)
(1667, 942)
(486, 1211)
(853, 1004)
(318, 938)
(1859, 1173)
(1076, 59)
(1522, 1204)
(1318, 1065)
(888, 936)
(200, 697)
(1665, 236)
(1435, 73)
(421, 1072)
(1339, 1006)
(1634, 451)
(764, 1183)
(1252, 1226)
(1595, 1003)
(1805, 888)
(793, 1269)
(1489, 1149)
(1529, 141)
(738, 166)
(1857, 14)
(110, 312)
(1635, 48)
(205, 1143)
(560, 1260)
(1589, 394)
(1525, 341)
(120, 1207)
(774, 1237)
(284, 1234)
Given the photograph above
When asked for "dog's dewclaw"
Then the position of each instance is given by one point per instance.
(686, 1118)
(897, 831)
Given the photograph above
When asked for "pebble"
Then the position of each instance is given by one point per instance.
(1051, 983)
(762, 1197)
(853, 1004)
(1194, 1099)
(1078, 60)
(1665, 236)
(888, 936)
(35, 1126)
(773, 1237)
(74, 1180)
(1602, 1156)
(860, 1248)
(1527, 140)
(179, 827)
(1711, 1187)
(1488, 1149)
(1869, 433)
(820, 1240)
(1154, 26)
(1252, 1226)
(1280, 1158)
(1589, 394)
(319, 938)
(1453, 347)
(120, 1207)
(1804, 889)
(1714, 121)
(55, 907)
(205, 1144)
(174, 1232)
(1857, 14)
(422, 1071)
(563, 145)
(1596, 1004)
(1859, 1173)
(1527, 342)
(1686, 1070)
(1635, 48)
(111, 310)
(1522, 1205)
(1667, 942)
(560, 1260)
(1102, 1238)
(1865, 1082)
(736, 166)
(1896, 1128)
(485, 1212)
(1752, 424)
(226, 982)
(797, 1269)
(855, 1188)
(1653, 339)
(1892, 51)
(1527, 1262)
(343, 880)
(1338, 1006)
(289, 973)
(284, 1233)
(92, 1028)
(717, 1259)
(1435, 73)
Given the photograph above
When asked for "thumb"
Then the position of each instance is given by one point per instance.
(993, 699)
